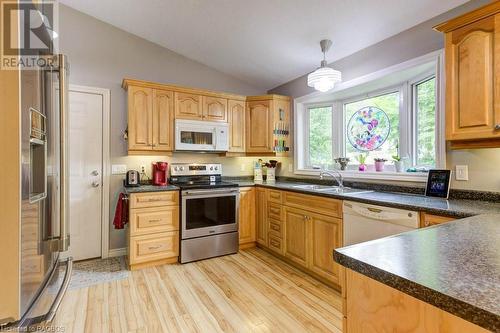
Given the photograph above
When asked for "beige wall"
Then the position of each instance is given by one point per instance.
(101, 55)
(409, 44)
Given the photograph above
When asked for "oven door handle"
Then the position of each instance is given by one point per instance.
(211, 191)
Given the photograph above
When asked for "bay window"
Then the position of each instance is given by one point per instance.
(408, 128)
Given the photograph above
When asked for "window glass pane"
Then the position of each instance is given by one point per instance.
(426, 123)
(320, 137)
(389, 103)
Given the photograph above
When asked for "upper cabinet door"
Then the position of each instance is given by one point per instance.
(188, 106)
(259, 127)
(472, 68)
(140, 129)
(214, 109)
(163, 120)
(236, 117)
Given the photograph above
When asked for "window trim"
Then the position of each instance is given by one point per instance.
(306, 129)
(306, 101)
(413, 100)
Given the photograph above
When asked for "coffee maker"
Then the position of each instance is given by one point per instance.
(160, 170)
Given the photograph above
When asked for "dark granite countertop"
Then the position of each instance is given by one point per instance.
(149, 188)
(453, 266)
(451, 207)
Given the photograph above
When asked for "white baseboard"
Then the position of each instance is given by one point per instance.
(117, 252)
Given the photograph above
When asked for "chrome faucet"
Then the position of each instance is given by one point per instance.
(335, 174)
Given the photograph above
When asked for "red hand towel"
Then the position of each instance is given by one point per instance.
(121, 212)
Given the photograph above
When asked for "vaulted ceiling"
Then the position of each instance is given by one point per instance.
(263, 42)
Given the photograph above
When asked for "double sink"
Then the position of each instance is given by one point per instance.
(329, 189)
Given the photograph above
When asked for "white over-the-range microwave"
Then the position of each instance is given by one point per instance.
(207, 136)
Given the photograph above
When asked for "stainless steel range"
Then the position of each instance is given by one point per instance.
(209, 211)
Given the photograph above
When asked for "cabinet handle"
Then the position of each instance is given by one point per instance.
(426, 223)
(155, 220)
(154, 247)
(154, 199)
(497, 127)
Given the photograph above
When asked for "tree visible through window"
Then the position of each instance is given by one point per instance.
(320, 137)
(426, 122)
(389, 103)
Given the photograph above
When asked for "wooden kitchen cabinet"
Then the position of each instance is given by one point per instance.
(472, 51)
(163, 120)
(214, 109)
(153, 229)
(371, 306)
(236, 119)
(150, 120)
(325, 235)
(188, 106)
(259, 127)
(427, 220)
(261, 218)
(247, 217)
(265, 115)
(296, 235)
(302, 228)
(140, 118)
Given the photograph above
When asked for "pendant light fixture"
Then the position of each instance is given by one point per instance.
(324, 78)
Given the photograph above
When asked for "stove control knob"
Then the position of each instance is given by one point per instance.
(216, 168)
(182, 168)
(176, 168)
(211, 168)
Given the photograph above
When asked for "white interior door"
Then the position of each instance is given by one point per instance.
(85, 172)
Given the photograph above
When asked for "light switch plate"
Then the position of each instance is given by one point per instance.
(118, 169)
(461, 172)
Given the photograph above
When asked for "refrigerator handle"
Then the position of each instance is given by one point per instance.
(63, 118)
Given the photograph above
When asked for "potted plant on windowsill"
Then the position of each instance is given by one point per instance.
(379, 164)
(362, 161)
(398, 163)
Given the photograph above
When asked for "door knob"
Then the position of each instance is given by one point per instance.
(95, 173)
(95, 184)
(497, 127)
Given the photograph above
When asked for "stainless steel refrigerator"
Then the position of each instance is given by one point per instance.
(44, 190)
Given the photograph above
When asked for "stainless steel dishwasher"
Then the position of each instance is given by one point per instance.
(364, 222)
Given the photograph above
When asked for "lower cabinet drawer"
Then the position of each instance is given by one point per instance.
(153, 247)
(275, 243)
(156, 219)
(276, 228)
(154, 199)
(274, 211)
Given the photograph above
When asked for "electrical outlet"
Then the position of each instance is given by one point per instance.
(242, 167)
(118, 169)
(143, 169)
(461, 172)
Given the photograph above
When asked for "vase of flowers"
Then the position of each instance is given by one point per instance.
(362, 162)
(379, 164)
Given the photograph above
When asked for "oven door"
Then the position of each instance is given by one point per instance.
(195, 136)
(209, 212)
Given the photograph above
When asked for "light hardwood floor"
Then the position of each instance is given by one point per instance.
(251, 291)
